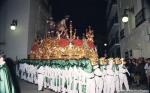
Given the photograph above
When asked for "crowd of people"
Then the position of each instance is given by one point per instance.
(103, 78)
(139, 70)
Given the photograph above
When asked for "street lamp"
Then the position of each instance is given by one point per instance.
(125, 17)
(13, 25)
(105, 44)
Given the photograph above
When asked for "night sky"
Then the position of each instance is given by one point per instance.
(84, 13)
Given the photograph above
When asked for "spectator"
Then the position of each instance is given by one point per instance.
(147, 70)
(137, 74)
(130, 67)
(133, 70)
(142, 71)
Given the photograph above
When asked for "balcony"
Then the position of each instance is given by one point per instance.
(2, 43)
(113, 25)
(122, 35)
(140, 18)
(114, 39)
(114, 46)
(112, 9)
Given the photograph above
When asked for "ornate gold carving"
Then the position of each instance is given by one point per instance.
(65, 45)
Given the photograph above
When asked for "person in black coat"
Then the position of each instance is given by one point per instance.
(11, 65)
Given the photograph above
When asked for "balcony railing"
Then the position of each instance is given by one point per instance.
(114, 40)
(110, 6)
(2, 43)
(140, 17)
(112, 22)
(122, 34)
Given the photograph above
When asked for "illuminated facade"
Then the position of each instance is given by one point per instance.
(134, 39)
(31, 16)
(113, 28)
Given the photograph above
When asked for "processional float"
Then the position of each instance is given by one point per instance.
(62, 42)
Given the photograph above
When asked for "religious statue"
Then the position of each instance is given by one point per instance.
(62, 26)
(51, 24)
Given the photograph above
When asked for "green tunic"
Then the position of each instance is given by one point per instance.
(6, 84)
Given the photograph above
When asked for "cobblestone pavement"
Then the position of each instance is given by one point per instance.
(32, 88)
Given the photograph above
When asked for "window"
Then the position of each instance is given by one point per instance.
(139, 18)
(130, 53)
(126, 54)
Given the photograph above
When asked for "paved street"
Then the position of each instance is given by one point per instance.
(31, 88)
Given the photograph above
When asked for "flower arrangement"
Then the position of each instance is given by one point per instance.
(63, 42)
(91, 44)
(78, 42)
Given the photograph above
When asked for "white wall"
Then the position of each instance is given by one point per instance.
(136, 38)
(2, 25)
(31, 16)
(16, 41)
(37, 22)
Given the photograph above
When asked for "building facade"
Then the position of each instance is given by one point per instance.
(31, 16)
(113, 28)
(134, 35)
